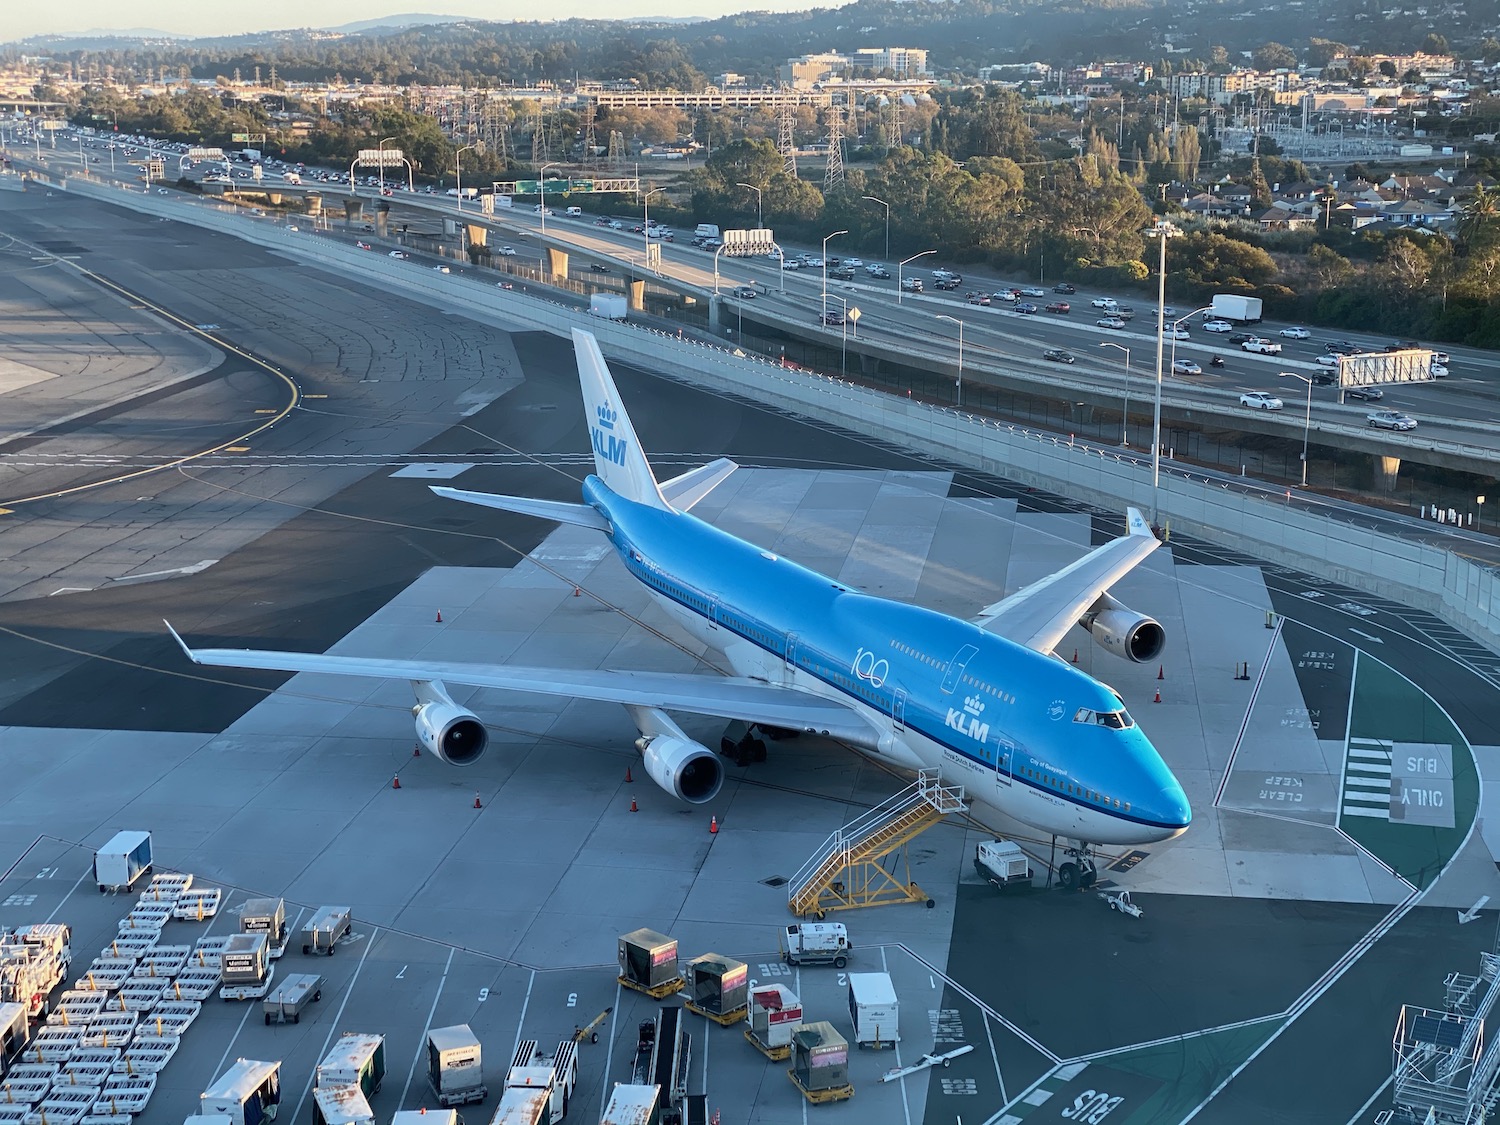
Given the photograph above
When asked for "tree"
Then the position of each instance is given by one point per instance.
(1274, 56)
(1211, 262)
(1489, 50)
(1435, 44)
(1260, 191)
(1328, 267)
(1187, 151)
(1478, 221)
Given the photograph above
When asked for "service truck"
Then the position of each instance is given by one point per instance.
(1237, 309)
(874, 1010)
(28, 976)
(816, 943)
(119, 863)
(1002, 864)
(611, 306)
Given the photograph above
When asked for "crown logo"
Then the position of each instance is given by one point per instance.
(973, 705)
(606, 416)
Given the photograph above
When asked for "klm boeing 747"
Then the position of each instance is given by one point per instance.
(986, 701)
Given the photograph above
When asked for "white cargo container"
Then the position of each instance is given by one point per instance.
(521, 1105)
(15, 1028)
(631, 1105)
(874, 1009)
(611, 306)
(455, 1065)
(357, 1059)
(248, 1093)
(427, 1117)
(341, 1105)
(1002, 863)
(119, 863)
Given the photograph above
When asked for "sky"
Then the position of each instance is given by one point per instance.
(193, 18)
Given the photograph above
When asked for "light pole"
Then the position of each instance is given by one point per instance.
(1162, 230)
(908, 261)
(1125, 416)
(959, 398)
(759, 225)
(844, 337)
(381, 161)
(541, 181)
(458, 178)
(887, 207)
(717, 251)
(646, 234)
(1306, 418)
(824, 260)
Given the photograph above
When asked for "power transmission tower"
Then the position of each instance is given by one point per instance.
(539, 151)
(589, 143)
(896, 140)
(616, 150)
(786, 115)
(833, 171)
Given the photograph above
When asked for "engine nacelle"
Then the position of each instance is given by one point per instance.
(453, 734)
(686, 769)
(1121, 630)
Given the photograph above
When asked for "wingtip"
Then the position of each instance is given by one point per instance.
(1135, 522)
(182, 644)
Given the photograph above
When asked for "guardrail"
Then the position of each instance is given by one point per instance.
(1407, 570)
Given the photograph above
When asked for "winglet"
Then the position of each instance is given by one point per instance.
(180, 642)
(1135, 523)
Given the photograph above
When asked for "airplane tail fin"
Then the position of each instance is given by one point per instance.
(618, 458)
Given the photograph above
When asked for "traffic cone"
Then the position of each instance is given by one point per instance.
(627, 776)
(713, 826)
(1161, 670)
(1075, 656)
(440, 617)
(477, 805)
(416, 749)
(632, 805)
(577, 593)
(1158, 696)
(396, 781)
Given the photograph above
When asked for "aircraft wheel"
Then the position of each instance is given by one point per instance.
(1067, 876)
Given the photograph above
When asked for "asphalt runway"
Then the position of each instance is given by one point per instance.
(322, 535)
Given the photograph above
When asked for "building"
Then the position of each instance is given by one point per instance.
(809, 70)
(904, 62)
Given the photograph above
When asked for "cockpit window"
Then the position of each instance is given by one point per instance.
(1114, 720)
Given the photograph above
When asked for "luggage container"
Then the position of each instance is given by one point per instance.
(427, 1117)
(648, 963)
(632, 1105)
(119, 863)
(357, 1059)
(815, 943)
(874, 1009)
(248, 1093)
(455, 1065)
(522, 1105)
(15, 1029)
(341, 1105)
(325, 929)
(266, 916)
(284, 1003)
(718, 988)
(246, 970)
(775, 1015)
(820, 1063)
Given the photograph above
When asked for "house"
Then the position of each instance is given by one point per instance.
(1281, 217)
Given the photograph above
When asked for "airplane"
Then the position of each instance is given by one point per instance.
(987, 700)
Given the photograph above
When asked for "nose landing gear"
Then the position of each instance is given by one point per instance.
(1077, 872)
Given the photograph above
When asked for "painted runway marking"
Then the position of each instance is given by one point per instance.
(334, 1025)
(426, 1027)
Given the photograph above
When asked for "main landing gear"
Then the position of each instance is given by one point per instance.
(1077, 872)
(744, 743)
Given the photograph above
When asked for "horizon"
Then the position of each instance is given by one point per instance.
(179, 19)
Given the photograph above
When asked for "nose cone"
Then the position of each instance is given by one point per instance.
(1175, 814)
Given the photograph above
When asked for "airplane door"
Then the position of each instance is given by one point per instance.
(788, 669)
(956, 668)
(713, 614)
(898, 710)
(1003, 766)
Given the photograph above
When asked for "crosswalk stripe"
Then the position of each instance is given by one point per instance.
(1356, 810)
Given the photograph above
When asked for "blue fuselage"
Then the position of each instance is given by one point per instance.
(1026, 734)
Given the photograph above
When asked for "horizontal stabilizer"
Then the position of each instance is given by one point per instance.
(558, 510)
(685, 491)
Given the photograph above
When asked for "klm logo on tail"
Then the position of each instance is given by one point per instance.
(606, 445)
(967, 721)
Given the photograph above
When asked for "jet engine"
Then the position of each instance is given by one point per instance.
(686, 769)
(1121, 630)
(447, 730)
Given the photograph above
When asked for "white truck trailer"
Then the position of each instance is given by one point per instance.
(874, 1009)
(611, 306)
(1236, 309)
(119, 863)
(816, 943)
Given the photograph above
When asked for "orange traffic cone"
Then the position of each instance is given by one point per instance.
(416, 749)
(713, 826)
(1075, 656)
(440, 617)
(1158, 696)
(477, 805)
(1161, 671)
(396, 781)
(632, 805)
(577, 593)
(627, 776)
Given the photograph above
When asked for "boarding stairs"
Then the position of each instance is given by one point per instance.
(853, 868)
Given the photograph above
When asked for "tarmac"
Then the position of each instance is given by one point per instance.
(1279, 938)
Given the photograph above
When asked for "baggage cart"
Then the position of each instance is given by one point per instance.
(455, 1065)
(341, 1105)
(648, 963)
(15, 1029)
(285, 1002)
(631, 1105)
(357, 1059)
(718, 988)
(245, 968)
(325, 929)
(820, 1063)
(775, 1014)
(267, 916)
(248, 1093)
(119, 863)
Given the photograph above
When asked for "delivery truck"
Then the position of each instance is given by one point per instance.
(1237, 309)
(874, 1009)
(611, 306)
(816, 943)
(119, 863)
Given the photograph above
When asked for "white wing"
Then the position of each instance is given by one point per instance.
(752, 701)
(1038, 615)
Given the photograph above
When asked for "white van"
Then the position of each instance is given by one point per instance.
(575, 212)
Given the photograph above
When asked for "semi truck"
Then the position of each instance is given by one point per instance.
(1237, 309)
(119, 863)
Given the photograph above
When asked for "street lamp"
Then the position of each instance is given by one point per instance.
(1306, 418)
(542, 186)
(458, 180)
(1163, 230)
(646, 234)
(824, 260)
(844, 336)
(887, 207)
(759, 225)
(1125, 415)
(1176, 324)
(899, 265)
(381, 161)
(959, 400)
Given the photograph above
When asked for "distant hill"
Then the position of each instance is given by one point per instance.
(399, 23)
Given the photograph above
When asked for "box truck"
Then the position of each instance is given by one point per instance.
(1237, 309)
(612, 306)
(119, 863)
(874, 1010)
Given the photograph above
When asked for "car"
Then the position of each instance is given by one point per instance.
(833, 318)
(1025, 308)
(977, 298)
(1318, 378)
(1261, 346)
(1402, 346)
(397, 254)
(813, 263)
(1260, 400)
(1169, 310)
(952, 282)
(615, 224)
(943, 275)
(1033, 291)
(1057, 355)
(598, 267)
(1328, 360)
(258, 211)
(601, 222)
(1006, 295)
(1365, 394)
(1241, 337)
(854, 263)
(791, 264)
(745, 292)
(442, 269)
(1177, 332)
(1105, 303)
(1059, 307)
(1439, 357)
(1344, 347)
(1110, 322)
(877, 271)
(1125, 312)
(1064, 287)
(162, 191)
(540, 210)
(506, 284)
(506, 251)
(361, 245)
(911, 284)
(1296, 333)
(1185, 367)
(1217, 326)
(1390, 420)
(1439, 371)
